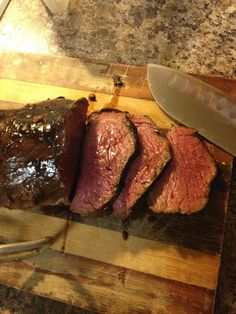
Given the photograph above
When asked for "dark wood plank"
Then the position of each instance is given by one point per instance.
(76, 280)
(88, 76)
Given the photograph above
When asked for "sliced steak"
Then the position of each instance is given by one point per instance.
(109, 144)
(39, 149)
(184, 185)
(152, 157)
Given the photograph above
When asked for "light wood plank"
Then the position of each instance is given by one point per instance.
(88, 284)
(151, 257)
(27, 92)
(75, 73)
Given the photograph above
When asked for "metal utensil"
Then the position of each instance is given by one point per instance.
(196, 104)
(21, 250)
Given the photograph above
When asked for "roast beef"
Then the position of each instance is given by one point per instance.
(184, 184)
(109, 144)
(39, 149)
(152, 157)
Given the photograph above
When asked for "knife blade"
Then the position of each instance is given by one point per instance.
(195, 104)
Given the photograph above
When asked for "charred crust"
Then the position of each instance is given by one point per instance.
(35, 136)
(118, 81)
(105, 110)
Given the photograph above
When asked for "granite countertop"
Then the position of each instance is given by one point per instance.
(195, 36)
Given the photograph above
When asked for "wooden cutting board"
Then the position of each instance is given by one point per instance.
(168, 263)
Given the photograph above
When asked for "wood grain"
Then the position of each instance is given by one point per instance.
(169, 263)
(88, 75)
(87, 283)
(148, 256)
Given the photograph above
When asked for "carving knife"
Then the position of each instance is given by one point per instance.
(195, 104)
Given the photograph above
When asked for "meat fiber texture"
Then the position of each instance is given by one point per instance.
(109, 145)
(184, 184)
(39, 149)
(153, 155)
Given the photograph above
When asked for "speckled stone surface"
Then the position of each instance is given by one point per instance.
(197, 36)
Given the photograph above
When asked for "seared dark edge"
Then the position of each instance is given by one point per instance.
(152, 157)
(185, 183)
(109, 145)
(39, 148)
